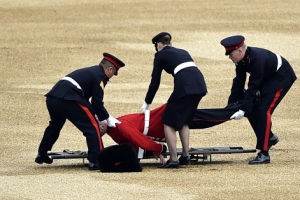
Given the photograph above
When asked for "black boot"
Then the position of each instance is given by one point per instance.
(273, 141)
(93, 166)
(40, 159)
(261, 158)
(185, 160)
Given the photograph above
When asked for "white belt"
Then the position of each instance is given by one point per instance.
(66, 78)
(184, 65)
(147, 120)
(146, 128)
(279, 61)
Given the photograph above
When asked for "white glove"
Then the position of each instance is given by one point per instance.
(111, 121)
(145, 107)
(238, 115)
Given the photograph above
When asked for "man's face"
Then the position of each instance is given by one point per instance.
(109, 72)
(236, 55)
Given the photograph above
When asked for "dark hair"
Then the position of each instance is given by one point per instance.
(165, 40)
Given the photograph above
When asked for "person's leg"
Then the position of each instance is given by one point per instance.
(206, 118)
(171, 140)
(253, 122)
(263, 118)
(177, 115)
(188, 107)
(184, 134)
(273, 140)
(51, 134)
(84, 119)
(262, 123)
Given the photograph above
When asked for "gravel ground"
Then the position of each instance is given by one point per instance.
(41, 41)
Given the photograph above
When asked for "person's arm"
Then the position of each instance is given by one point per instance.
(97, 99)
(131, 135)
(98, 104)
(254, 83)
(238, 85)
(155, 81)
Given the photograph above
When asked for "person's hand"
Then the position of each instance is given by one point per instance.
(238, 115)
(145, 107)
(160, 157)
(111, 122)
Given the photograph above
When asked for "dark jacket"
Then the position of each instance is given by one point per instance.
(187, 81)
(261, 64)
(92, 80)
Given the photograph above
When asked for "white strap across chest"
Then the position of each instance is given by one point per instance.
(66, 78)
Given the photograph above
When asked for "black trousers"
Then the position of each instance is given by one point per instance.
(261, 117)
(82, 117)
(206, 118)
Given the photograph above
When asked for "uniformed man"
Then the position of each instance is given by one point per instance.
(272, 75)
(189, 88)
(69, 99)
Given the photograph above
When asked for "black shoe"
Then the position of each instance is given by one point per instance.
(170, 164)
(92, 166)
(40, 159)
(273, 141)
(185, 160)
(260, 159)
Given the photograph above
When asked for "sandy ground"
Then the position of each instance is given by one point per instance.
(42, 40)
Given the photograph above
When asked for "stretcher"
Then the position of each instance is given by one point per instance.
(202, 153)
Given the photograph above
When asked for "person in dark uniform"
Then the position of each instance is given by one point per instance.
(189, 88)
(271, 75)
(69, 99)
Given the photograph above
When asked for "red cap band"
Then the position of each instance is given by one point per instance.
(112, 61)
(230, 48)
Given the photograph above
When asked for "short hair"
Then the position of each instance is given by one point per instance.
(165, 40)
(244, 47)
(105, 64)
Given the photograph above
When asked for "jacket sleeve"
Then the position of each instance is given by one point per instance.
(155, 81)
(238, 85)
(97, 100)
(254, 83)
(126, 133)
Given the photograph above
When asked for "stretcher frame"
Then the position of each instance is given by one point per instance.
(201, 153)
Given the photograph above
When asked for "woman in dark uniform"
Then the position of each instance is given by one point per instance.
(189, 88)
